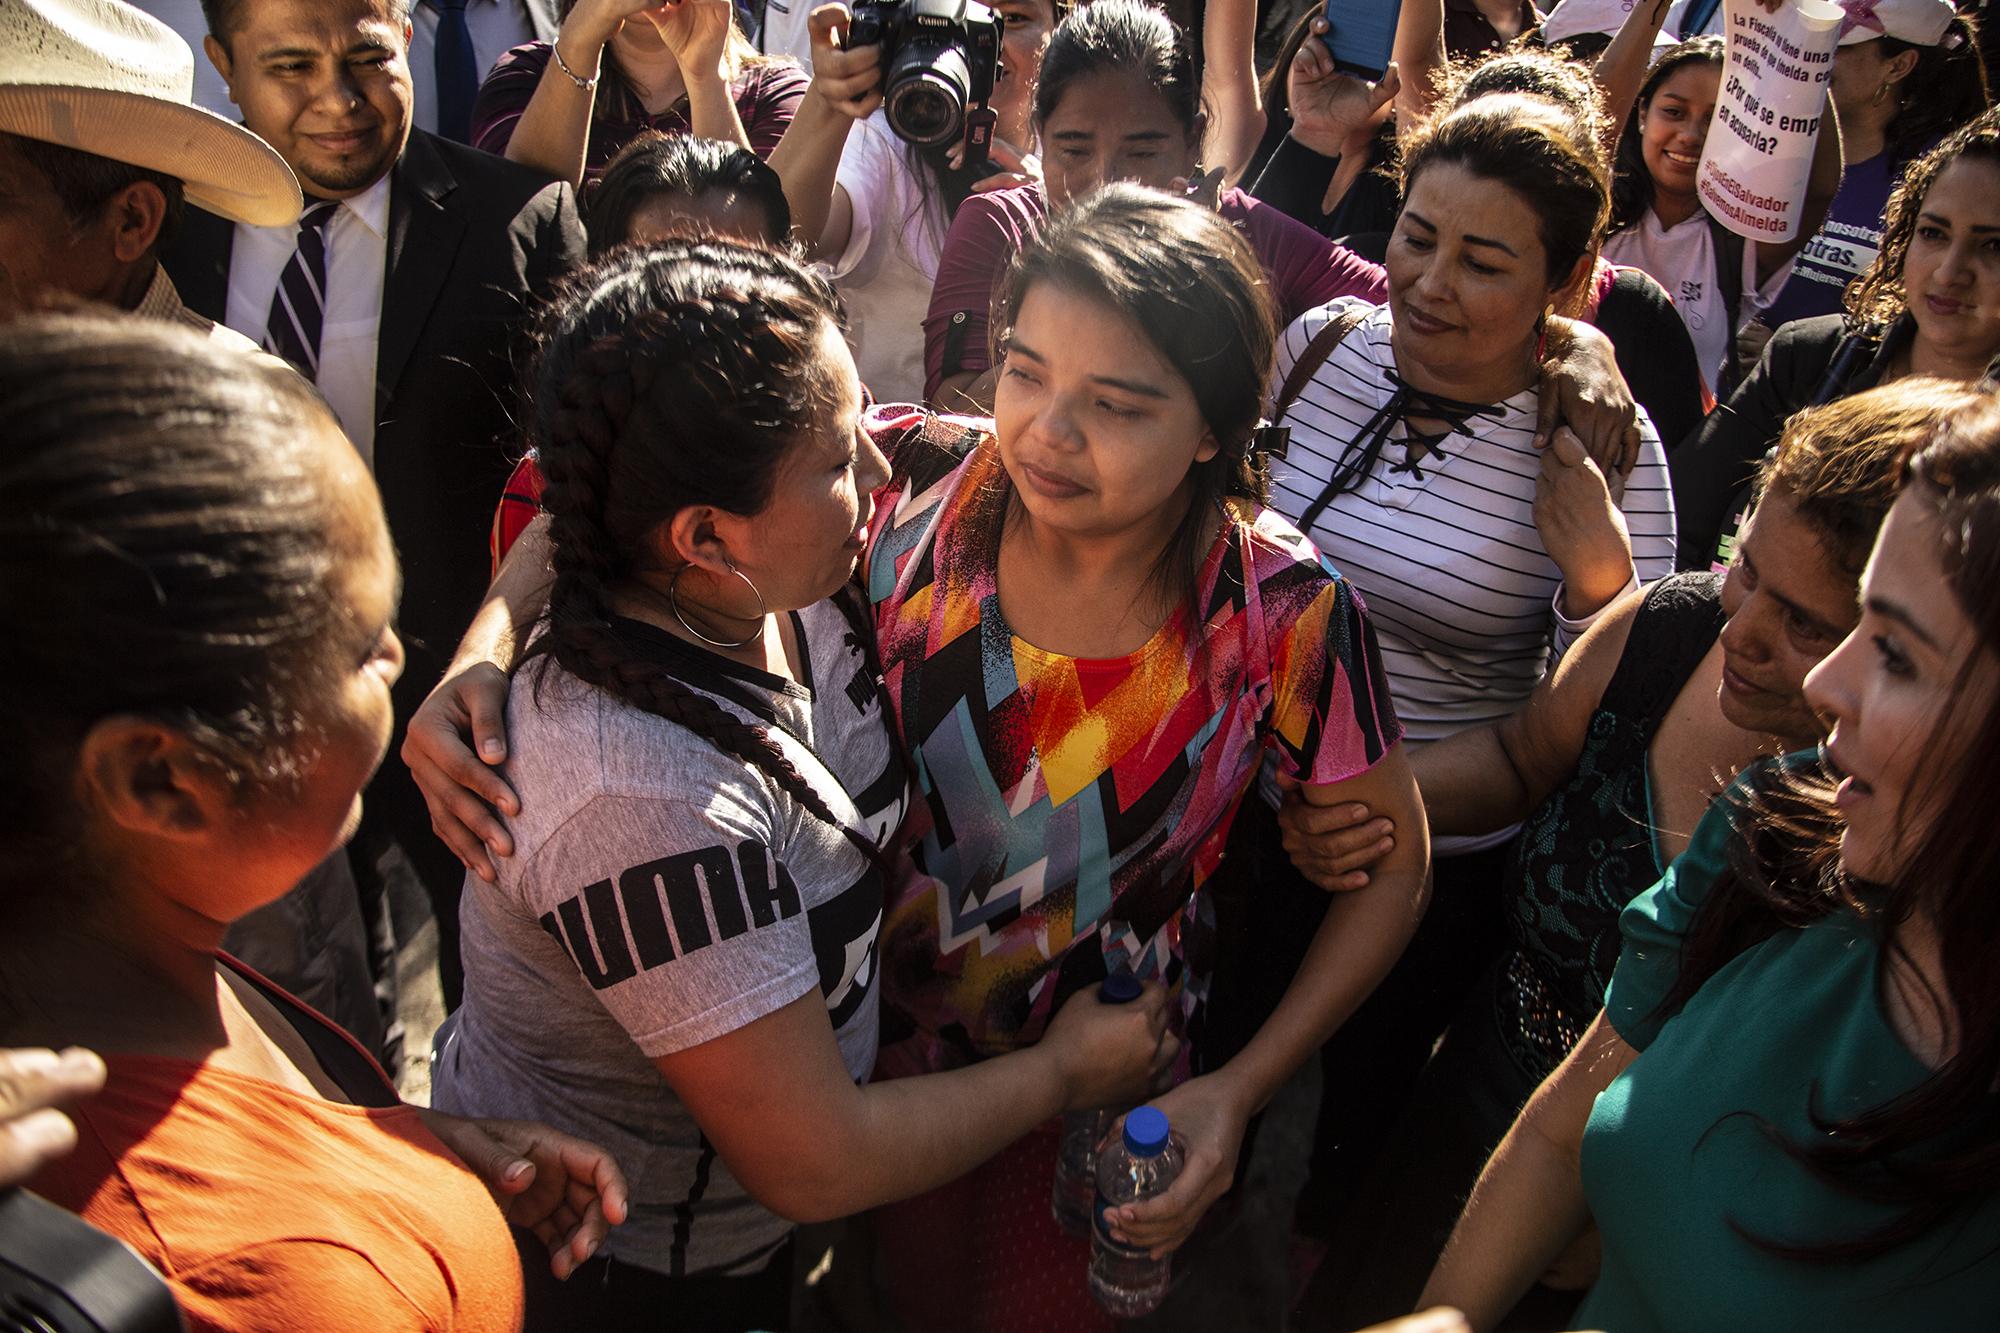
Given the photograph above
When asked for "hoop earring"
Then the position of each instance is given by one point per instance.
(674, 604)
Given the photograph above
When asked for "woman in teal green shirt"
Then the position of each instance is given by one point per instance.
(1786, 1116)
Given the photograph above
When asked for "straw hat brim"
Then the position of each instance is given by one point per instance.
(225, 168)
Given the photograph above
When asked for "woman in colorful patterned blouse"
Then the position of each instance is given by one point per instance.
(1093, 634)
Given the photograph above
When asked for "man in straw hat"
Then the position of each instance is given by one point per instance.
(402, 292)
(100, 148)
(99, 151)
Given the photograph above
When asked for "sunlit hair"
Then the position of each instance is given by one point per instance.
(1841, 464)
(681, 167)
(1534, 149)
(165, 547)
(1877, 296)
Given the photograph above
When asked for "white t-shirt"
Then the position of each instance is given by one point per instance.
(786, 32)
(1460, 588)
(891, 261)
(1682, 259)
(663, 894)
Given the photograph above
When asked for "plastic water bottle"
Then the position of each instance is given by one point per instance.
(1126, 1281)
(1076, 1156)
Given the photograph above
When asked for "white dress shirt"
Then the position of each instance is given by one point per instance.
(497, 26)
(357, 259)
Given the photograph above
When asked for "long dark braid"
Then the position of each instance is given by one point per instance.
(671, 376)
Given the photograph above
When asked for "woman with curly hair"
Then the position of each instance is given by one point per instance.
(1928, 305)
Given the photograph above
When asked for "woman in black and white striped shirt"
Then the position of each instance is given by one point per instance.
(1412, 466)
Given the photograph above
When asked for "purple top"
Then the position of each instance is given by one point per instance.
(1842, 249)
(767, 95)
(1305, 268)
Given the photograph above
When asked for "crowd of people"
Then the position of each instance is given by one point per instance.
(1366, 554)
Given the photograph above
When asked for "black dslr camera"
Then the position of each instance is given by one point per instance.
(939, 60)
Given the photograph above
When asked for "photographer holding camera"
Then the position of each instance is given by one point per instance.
(912, 103)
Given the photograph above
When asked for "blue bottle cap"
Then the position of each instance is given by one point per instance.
(1119, 988)
(1146, 1132)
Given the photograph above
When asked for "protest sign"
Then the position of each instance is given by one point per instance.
(1775, 75)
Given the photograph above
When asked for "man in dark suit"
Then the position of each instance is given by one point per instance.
(402, 291)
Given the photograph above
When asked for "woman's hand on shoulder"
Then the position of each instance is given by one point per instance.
(1111, 1054)
(1582, 528)
(848, 80)
(1583, 389)
(463, 789)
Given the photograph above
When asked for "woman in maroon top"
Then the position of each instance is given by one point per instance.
(619, 67)
(1117, 100)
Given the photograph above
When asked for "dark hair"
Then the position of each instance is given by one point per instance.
(1534, 149)
(165, 544)
(1530, 72)
(1877, 296)
(686, 167)
(1784, 872)
(1631, 182)
(84, 183)
(1185, 277)
(1124, 36)
(1841, 464)
(224, 17)
(1947, 88)
(670, 375)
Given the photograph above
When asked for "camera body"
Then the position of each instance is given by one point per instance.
(939, 62)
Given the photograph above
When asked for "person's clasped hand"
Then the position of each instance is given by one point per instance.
(1112, 1054)
(569, 1193)
(1334, 846)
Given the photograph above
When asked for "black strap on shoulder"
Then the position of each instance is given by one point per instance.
(1729, 286)
(1674, 629)
(357, 1076)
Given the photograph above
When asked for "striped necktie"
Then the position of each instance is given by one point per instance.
(298, 306)
(457, 70)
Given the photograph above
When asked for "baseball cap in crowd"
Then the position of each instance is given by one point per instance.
(1918, 22)
(102, 77)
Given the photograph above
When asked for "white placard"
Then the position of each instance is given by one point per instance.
(1775, 74)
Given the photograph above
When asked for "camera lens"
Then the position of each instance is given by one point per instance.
(926, 96)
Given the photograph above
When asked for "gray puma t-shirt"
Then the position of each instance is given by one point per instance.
(662, 894)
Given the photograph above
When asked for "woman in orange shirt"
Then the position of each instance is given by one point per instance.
(202, 585)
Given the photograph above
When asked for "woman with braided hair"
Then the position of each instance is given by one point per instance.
(682, 952)
(1093, 635)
